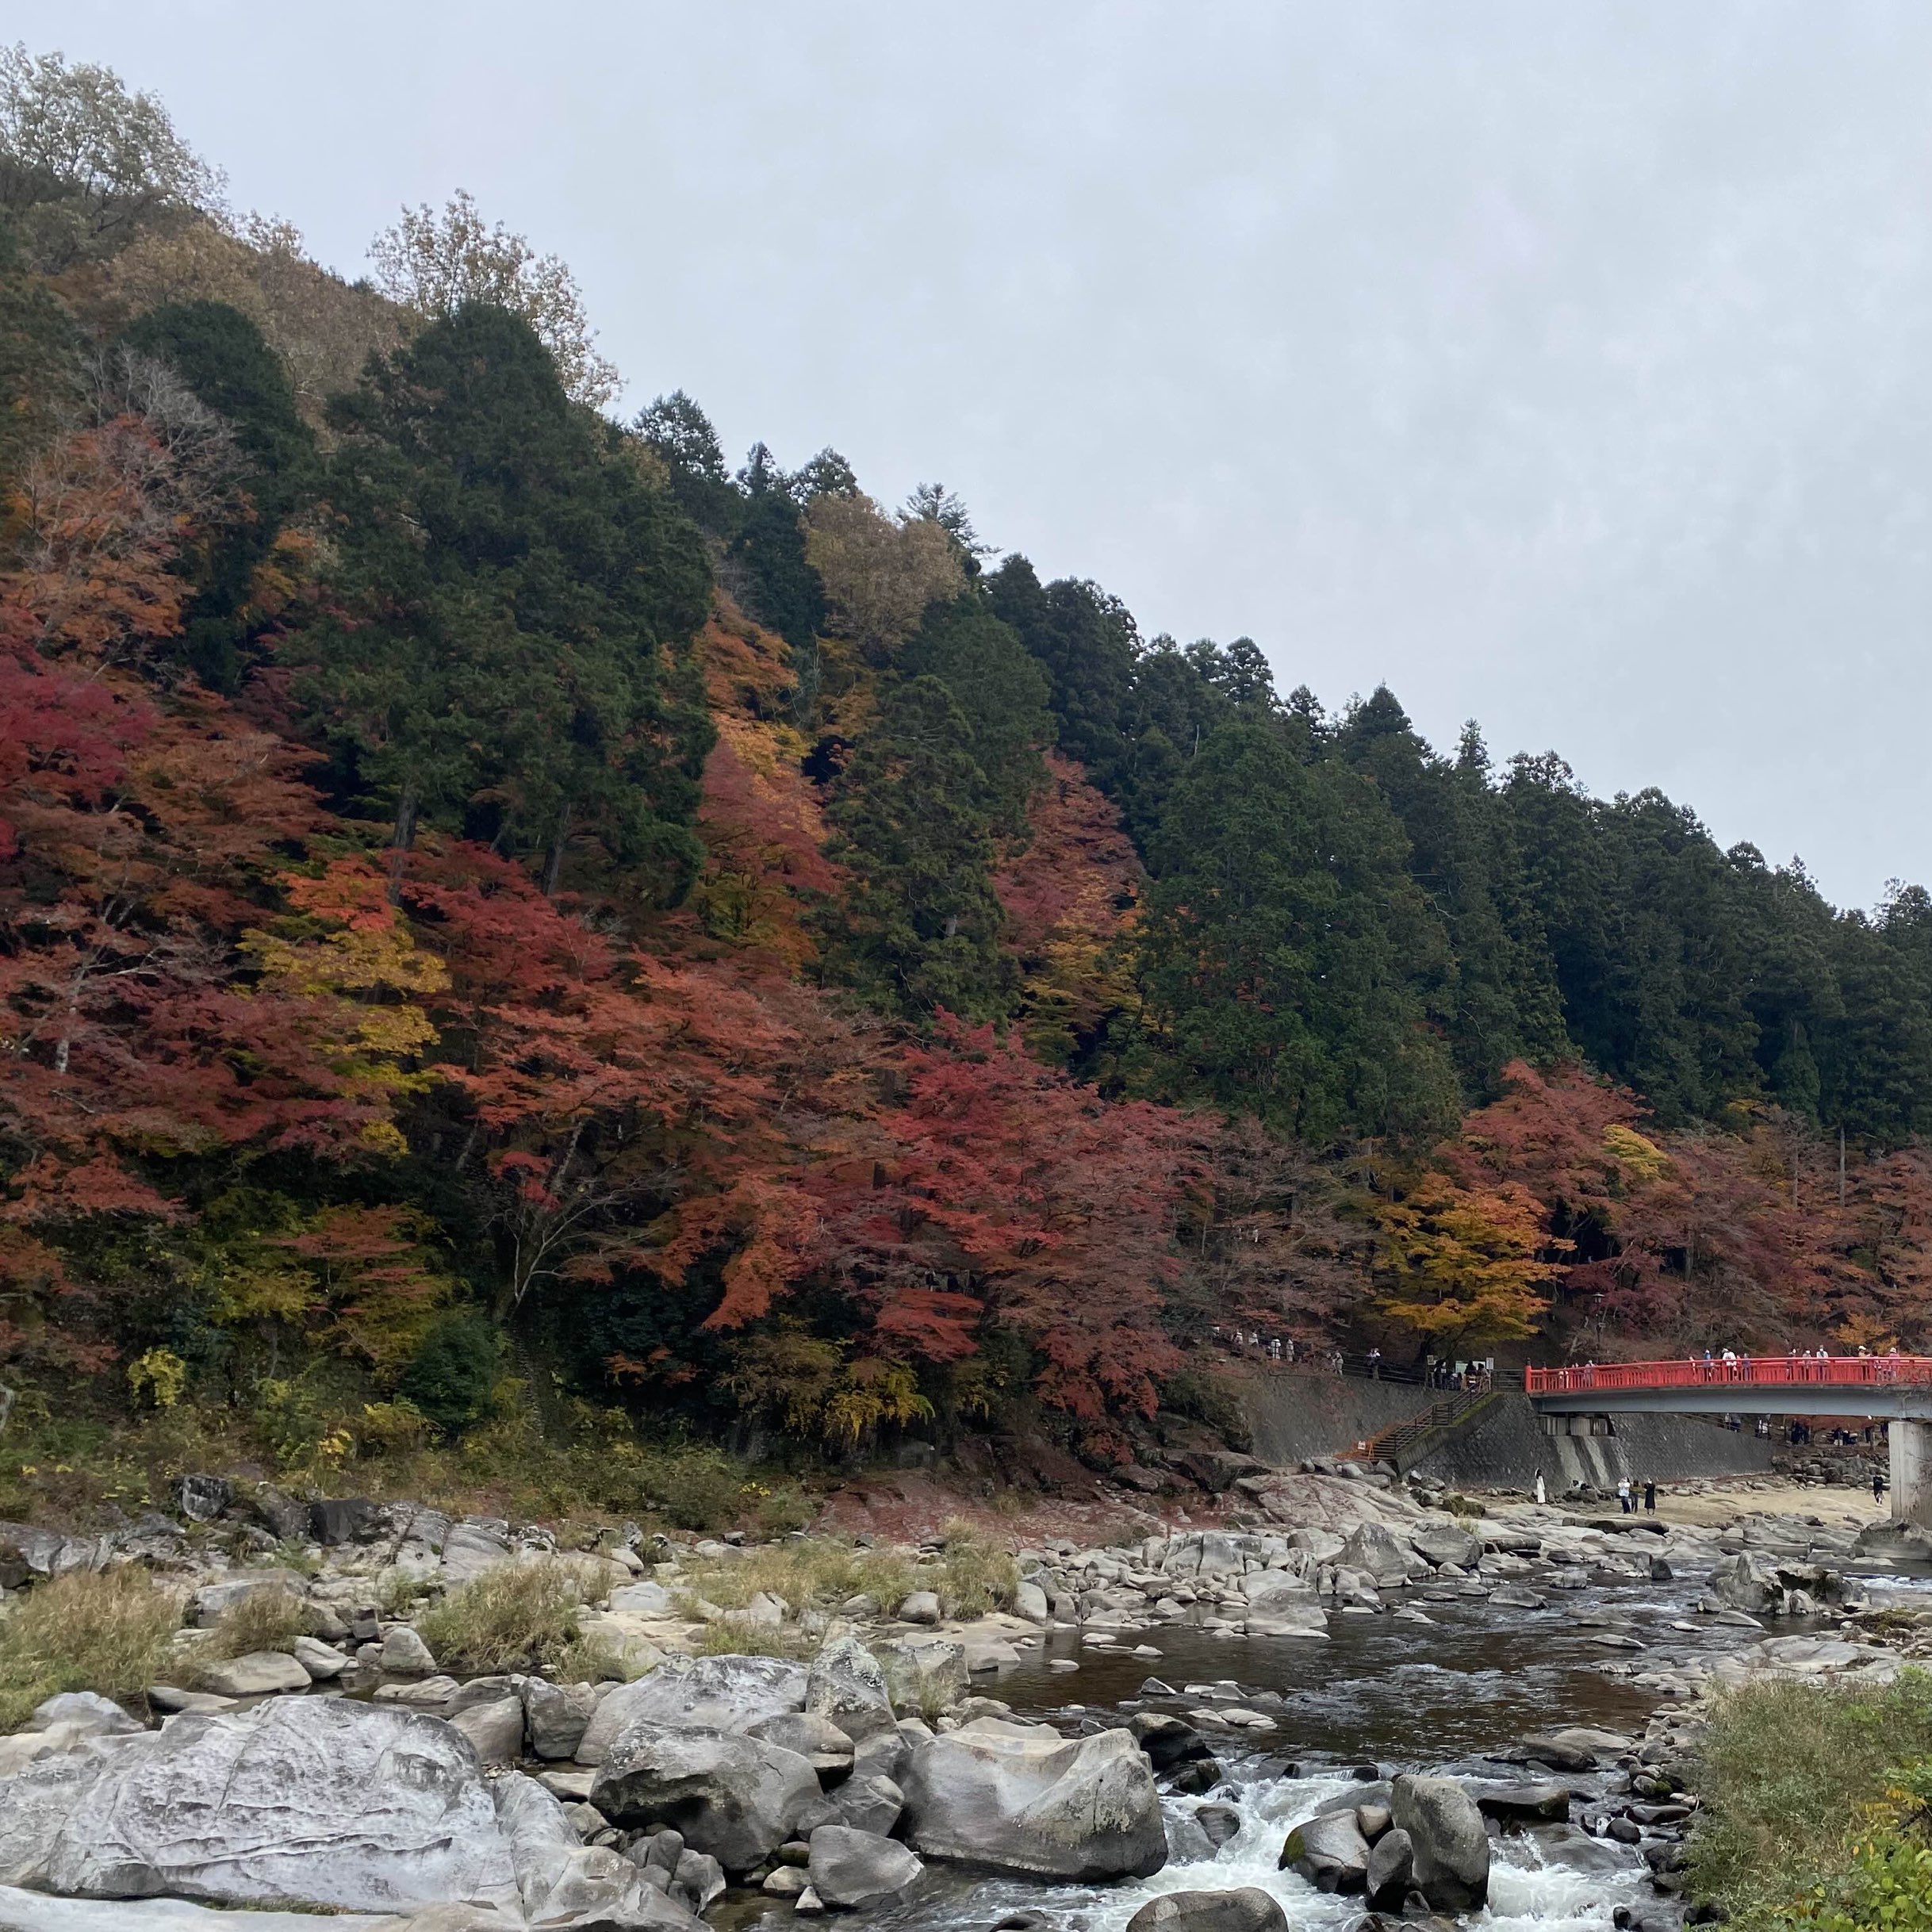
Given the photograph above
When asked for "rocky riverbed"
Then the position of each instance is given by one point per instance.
(1355, 1703)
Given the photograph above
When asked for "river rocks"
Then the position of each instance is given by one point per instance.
(847, 1685)
(648, 1600)
(1391, 1866)
(1021, 1798)
(923, 1673)
(200, 1499)
(561, 1882)
(496, 1729)
(1248, 1910)
(404, 1654)
(1448, 1544)
(817, 1739)
(301, 1800)
(1374, 1550)
(1576, 1747)
(555, 1716)
(257, 1674)
(1514, 1597)
(1030, 1601)
(1747, 1581)
(736, 1797)
(851, 1870)
(716, 1694)
(871, 1805)
(1167, 1741)
(1452, 1849)
(320, 1660)
(1329, 1851)
(1522, 1802)
(347, 1518)
(921, 1607)
(212, 1600)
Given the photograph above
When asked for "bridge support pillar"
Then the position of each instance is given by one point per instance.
(1911, 1472)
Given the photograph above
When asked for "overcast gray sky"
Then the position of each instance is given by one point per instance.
(1563, 365)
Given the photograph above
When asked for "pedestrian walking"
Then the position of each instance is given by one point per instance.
(1623, 1495)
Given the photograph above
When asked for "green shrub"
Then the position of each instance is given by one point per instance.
(452, 1378)
(108, 1633)
(518, 1616)
(974, 1576)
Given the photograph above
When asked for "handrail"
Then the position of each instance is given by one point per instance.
(1745, 1371)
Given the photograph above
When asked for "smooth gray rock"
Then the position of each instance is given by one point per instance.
(817, 1739)
(923, 1673)
(847, 1684)
(871, 1805)
(852, 1869)
(1374, 1550)
(1248, 1910)
(697, 1693)
(1391, 1866)
(921, 1607)
(496, 1729)
(1451, 1848)
(555, 1716)
(404, 1654)
(320, 1660)
(651, 1600)
(1447, 1543)
(736, 1797)
(474, 1546)
(207, 1604)
(1021, 1798)
(33, 1911)
(1329, 1851)
(563, 1883)
(1030, 1601)
(1542, 1803)
(89, 1713)
(1747, 1581)
(257, 1674)
(300, 1800)
(884, 1755)
(698, 1878)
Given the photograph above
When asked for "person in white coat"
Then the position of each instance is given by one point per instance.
(1542, 1496)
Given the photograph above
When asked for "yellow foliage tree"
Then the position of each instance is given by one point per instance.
(879, 575)
(1466, 1263)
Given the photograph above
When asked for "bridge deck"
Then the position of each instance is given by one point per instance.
(1891, 1386)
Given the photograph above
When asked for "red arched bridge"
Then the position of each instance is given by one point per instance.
(1896, 1390)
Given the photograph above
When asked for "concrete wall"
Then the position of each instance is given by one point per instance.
(1295, 1416)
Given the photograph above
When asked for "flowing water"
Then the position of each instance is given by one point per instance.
(1398, 1695)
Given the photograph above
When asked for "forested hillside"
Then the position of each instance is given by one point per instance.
(495, 896)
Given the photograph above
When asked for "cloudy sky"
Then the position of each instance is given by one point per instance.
(1564, 366)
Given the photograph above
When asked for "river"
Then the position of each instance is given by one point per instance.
(1395, 1694)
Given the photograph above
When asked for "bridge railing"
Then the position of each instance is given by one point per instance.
(1750, 1371)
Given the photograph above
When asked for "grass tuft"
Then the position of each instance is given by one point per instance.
(523, 1615)
(108, 1633)
(970, 1577)
(264, 1620)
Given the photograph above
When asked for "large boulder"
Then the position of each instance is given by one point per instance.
(1279, 1593)
(495, 1729)
(1248, 1910)
(1391, 1869)
(474, 1546)
(302, 1801)
(88, 1712)
(1021, 1798)
(847, 1684)
(1448, 1543)
(1747, 1581)
(1329, 1851)
(1374, 1550)
(738, 1798)
(869, 1803)
(699, 1693)
(851, 1870)
(647, 1599)
(1450, 1847)
(923, 1673)
(257, 1674)
(817, 1739)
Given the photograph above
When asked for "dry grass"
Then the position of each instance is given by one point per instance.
(521, 1615)
(265, 1620)
(970, 1577)
(107, 1633)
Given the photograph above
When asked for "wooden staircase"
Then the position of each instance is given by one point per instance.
(1402, 1445)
